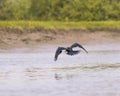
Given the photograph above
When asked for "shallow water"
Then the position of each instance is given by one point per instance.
(34, 73)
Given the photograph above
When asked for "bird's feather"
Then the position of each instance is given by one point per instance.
(58, 51)
(78, 45)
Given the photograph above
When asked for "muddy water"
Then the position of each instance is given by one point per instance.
(34, 73)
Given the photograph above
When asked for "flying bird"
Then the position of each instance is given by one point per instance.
(69, 50)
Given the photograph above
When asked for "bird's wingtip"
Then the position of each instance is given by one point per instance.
(86, 52)
(55, 59)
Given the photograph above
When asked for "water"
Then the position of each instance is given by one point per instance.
(34, 73)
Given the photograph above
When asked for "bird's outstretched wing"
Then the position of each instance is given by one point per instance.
(78, 45)
(58, 51)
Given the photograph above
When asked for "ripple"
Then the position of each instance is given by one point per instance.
(102, 66)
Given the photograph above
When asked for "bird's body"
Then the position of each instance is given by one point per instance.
(68, 50)
(73, 52)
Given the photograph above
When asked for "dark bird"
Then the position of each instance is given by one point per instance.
(69, 50)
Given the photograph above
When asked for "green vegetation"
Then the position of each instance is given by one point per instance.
(83, 25)
(60, 14)
(60, 10)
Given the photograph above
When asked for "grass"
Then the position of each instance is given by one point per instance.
(83, 25)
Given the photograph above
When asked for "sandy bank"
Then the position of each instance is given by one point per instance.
(28, 38)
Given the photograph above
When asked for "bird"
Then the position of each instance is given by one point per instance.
(69, 50)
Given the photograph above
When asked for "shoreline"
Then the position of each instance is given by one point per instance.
(10, 39)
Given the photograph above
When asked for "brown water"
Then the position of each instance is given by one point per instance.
(34, 73)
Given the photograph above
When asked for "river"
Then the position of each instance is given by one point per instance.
(25, 72)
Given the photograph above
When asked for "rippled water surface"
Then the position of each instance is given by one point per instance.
(35, 73)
